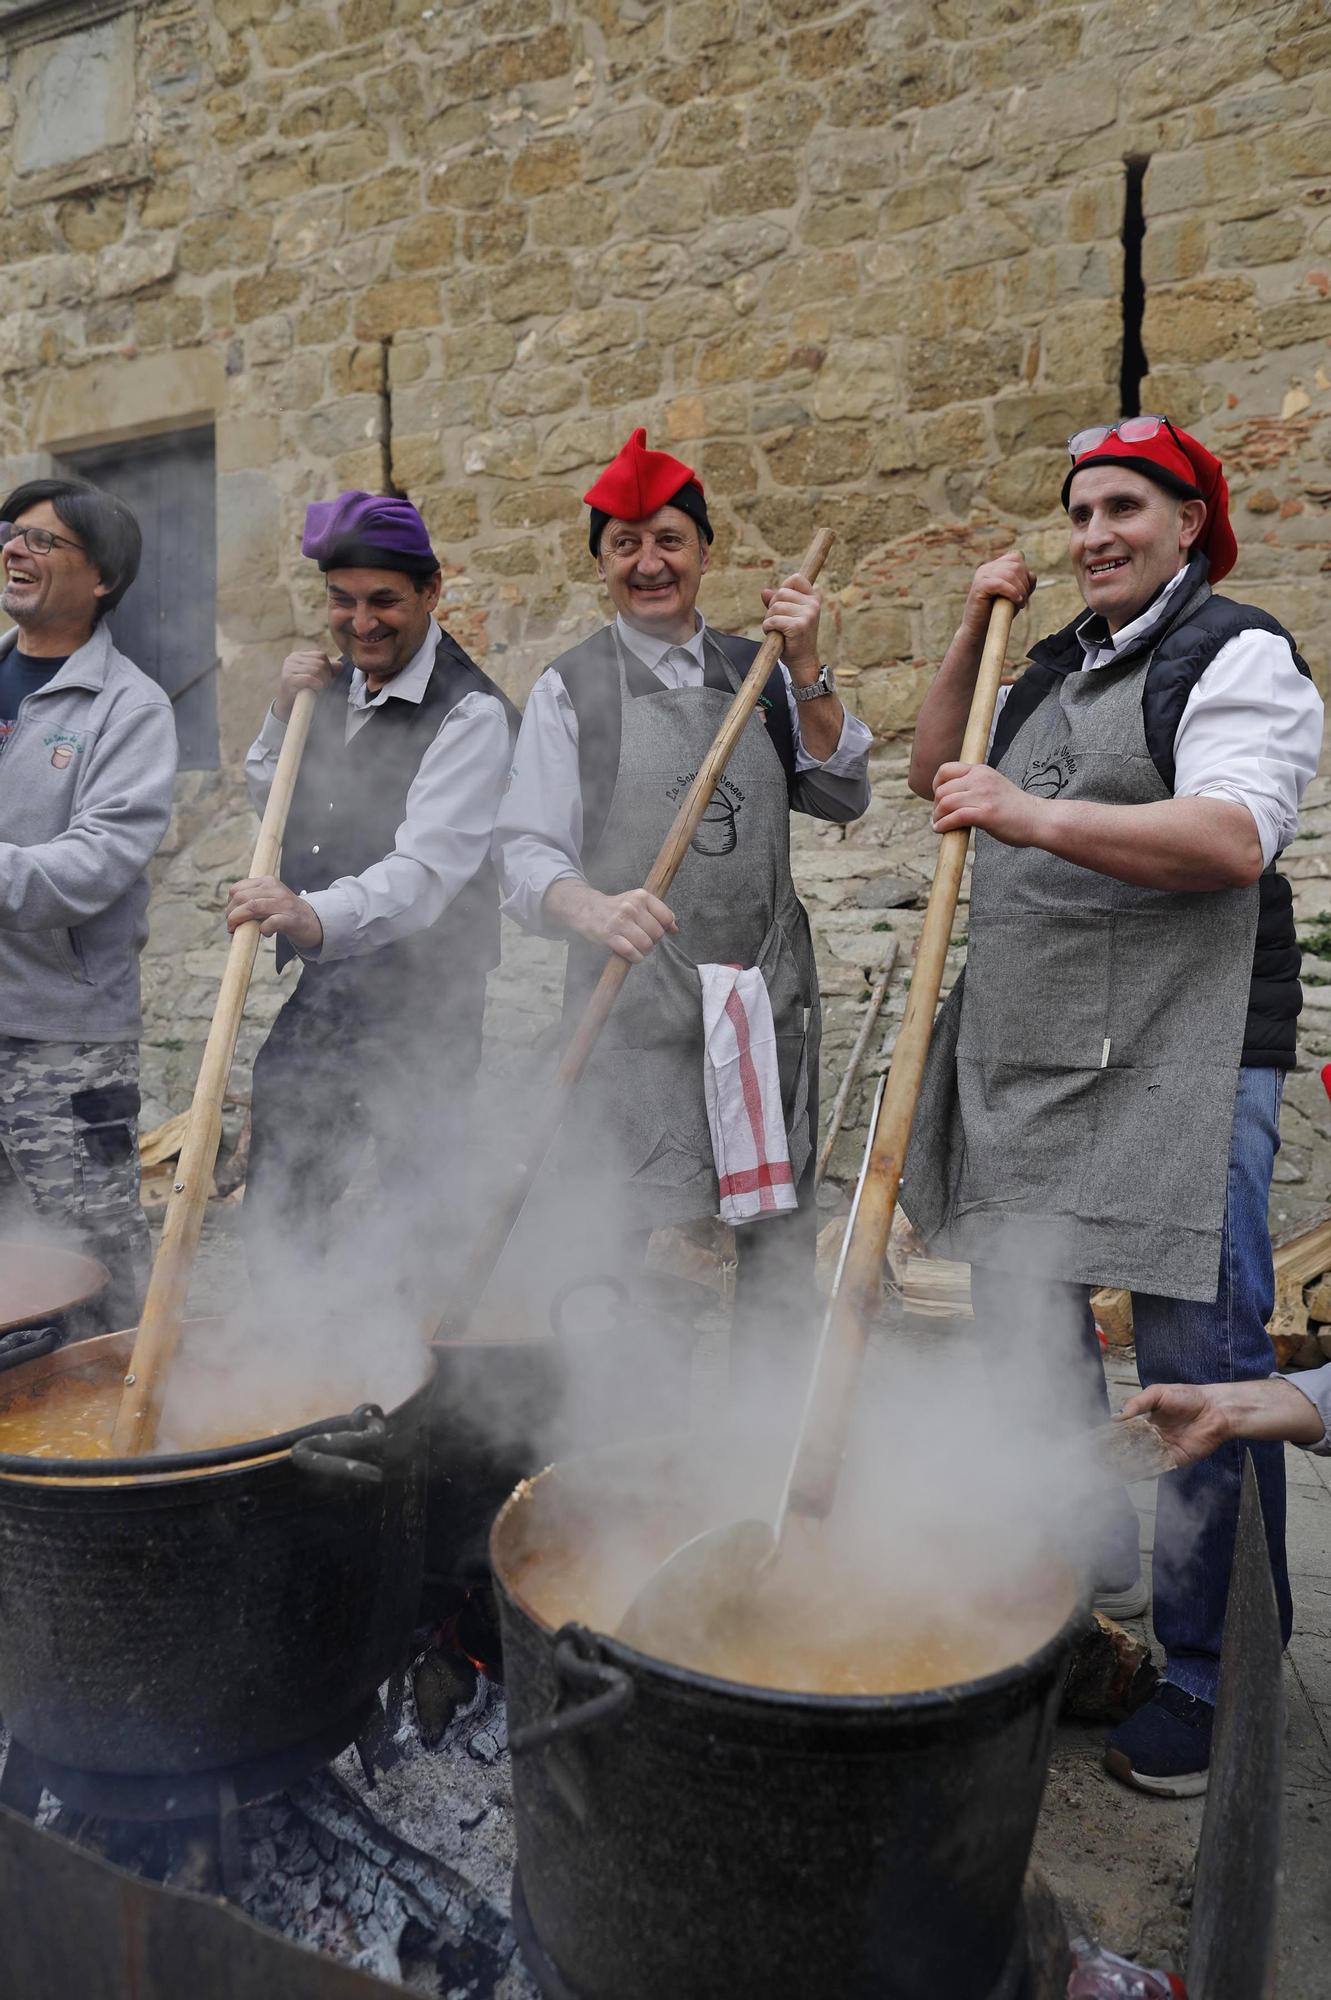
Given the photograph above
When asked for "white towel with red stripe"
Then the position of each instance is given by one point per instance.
(742, 1084)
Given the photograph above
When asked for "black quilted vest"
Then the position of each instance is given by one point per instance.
(349, 802)
(1186, 640)
(591, 679)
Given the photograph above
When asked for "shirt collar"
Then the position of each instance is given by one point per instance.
(409, 685)
(1095, 637)
(651, 651)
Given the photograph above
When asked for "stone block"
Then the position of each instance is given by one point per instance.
(357, 370)
(728, 248)
(474, 181)
(126, 268)
(691, 416)
(818, 275)
(244, 444)
(643, 269)
(977, 238)
(1175, 247)
(452, 516)
(874, 634)
(756, 181)
(507, 454)
(625, 379)
(223, 241)
(1200, 177)
(579, 441)
(408, 360)
(579, 334)
(329, 111)
(705, 133)
(742, 355)
(820, 455)
(280, 178)
(961, 366)
(387, 197)
(1298, 152)
(496, 236)
(482, 350)
(1027, 485)
(1204, 319)
(434, 405)
(1079, 346)
(521, 558)
(403, 302)
(827, 51)
(302, 35)
(888, 698)
(915, 204)
(249, 526)
(417, 461)
(350, 156)
(534, 507)
(1301, 55)
(1290, 322)
(133, 394)
(833, 220)
(307, 228)
(573, 216)
(544, 165)
(858, 379)
(346, 425)
(73, 97)
(1267, 239)
(266, 292)
(168, 322)
(729, 467)
(1036, 417)
(91, 221)
(537, 393)
(538, 283)
(621, 142)
(781, 109)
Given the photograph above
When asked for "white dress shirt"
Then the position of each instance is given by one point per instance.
(538, 833)
(1250, 731)
(450, 811)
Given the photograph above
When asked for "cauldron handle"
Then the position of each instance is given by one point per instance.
(578, 1666)
(27, 1343)
(607, 1281)
(346, 1454)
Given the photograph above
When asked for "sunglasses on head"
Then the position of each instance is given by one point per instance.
(1129, 430)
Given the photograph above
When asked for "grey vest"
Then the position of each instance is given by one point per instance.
(1079, 1092)
(641, 1106)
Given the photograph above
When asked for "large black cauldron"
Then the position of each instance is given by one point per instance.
(685, 1838)
(188, 1613)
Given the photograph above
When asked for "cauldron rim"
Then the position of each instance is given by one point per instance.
(691, 1681)
(20, 1468)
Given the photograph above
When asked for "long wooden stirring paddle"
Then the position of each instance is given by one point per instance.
(159, 1329)
(710, 1577)
(489, 1246)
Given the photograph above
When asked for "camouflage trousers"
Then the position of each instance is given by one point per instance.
(69, 1137)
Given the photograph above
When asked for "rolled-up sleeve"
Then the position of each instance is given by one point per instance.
(442, 841)
(1251, 732)
(261, 760)
(538, 831)
(1315, 1384)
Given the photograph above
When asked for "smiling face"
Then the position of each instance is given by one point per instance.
(379, 618)
(52, 598)
(1126, 537)
(652, 570)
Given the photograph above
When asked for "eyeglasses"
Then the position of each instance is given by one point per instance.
(1129, 430)
(38, 541)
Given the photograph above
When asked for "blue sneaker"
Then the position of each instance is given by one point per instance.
(1165, 1748)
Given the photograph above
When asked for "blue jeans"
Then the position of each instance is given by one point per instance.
(1179, 1340)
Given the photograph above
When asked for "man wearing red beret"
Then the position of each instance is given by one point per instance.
(611, 737)
(1102, 1098)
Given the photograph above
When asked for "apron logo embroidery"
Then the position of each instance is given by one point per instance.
(1046, 777)
(717, 832)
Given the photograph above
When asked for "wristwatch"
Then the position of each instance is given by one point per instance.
(825, 684)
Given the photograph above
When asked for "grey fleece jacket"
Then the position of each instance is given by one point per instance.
(85, 797)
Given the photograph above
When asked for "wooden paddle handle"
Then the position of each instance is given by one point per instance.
(159, 1329)
(489, 1246)
(686, 822)
(811, 1486)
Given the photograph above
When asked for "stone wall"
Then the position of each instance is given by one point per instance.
(860, 264)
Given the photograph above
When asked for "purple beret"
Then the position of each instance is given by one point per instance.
(367, 531)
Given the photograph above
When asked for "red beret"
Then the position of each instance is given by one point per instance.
(1182, 466)
(638, 481)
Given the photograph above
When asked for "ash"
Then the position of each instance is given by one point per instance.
(406, 1875)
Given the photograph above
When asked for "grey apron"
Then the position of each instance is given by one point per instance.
(641, 1104)
(1079, 1092)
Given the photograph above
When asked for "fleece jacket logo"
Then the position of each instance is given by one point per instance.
(63, 746)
